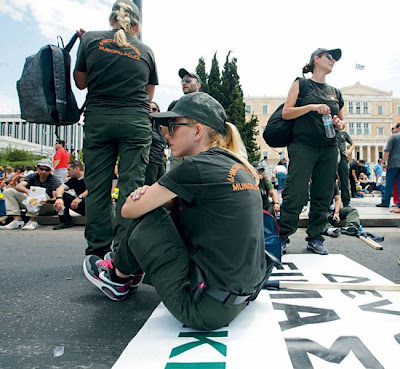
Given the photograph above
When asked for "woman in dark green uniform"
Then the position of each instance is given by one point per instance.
(312, 154)
(120, 74)
(207, 267)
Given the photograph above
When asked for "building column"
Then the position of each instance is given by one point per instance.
(361, 152)
(369, 153)
(376, 153)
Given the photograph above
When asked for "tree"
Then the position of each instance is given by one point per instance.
(228, 91)
(201, 71)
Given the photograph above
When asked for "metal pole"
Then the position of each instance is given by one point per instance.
(138, 3)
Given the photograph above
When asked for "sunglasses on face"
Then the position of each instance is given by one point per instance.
(187, 80)
(154, 109)
(44, 169)
(172, 125)
(329, 56)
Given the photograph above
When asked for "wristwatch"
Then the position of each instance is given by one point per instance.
(80, 197)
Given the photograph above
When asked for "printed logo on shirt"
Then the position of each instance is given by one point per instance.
(239, 186)
(133, 55)
(333, 97)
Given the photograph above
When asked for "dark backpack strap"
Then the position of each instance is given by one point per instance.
(59, 81)
(303, 86)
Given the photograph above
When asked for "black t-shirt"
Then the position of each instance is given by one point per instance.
(50, 184)
(76, 184)
(354, 166)
(309, 127)
(220, 218)
(116, 77)
(342, 138)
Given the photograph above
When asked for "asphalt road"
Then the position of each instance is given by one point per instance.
(47, 303)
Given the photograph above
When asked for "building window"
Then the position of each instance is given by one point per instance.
(358, 129)
(37, 133)
(381, 131)
(398, 109)
(51, 136)
(350, 107)
(248, 108)
(380, 109)
(9, 129)
(358, 107)
(351, 128)
(16, 130)
(265, 109)
(366, 128)
(3, 128)
(30, 132)
(23, 131)
(365, 106)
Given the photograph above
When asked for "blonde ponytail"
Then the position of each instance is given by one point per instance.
(233, 143)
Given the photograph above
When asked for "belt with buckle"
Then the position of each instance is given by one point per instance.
(224, 296)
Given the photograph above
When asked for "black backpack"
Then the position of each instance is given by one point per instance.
(44, 90)
(279, 132)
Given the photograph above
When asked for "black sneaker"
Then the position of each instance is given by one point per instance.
(284, 245)
(333, 232)
(381, 205)
(97, 271)
(63, 226)
(350, 231)
(317, 245)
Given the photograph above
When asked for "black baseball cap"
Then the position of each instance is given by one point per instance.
(336, 53)
(198, 106)
(182, 73)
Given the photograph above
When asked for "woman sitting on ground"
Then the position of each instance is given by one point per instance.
(212, 262)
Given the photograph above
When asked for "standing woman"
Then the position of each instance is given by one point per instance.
(207, 267)
(312, 154)
(120, 74)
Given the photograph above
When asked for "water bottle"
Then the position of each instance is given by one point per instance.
(328, 125)
(168, 165)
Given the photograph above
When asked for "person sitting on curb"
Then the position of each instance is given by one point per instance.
(267, 190)
(347, 213)
(15, 196)
(208, 266)
(66, 201)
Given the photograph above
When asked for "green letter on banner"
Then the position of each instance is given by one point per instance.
(195, 366)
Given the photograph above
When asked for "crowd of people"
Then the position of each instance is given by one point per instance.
(194, 232)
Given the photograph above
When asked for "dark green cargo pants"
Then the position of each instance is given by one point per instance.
(319, 164)
(343, 173)
(152, 243)
(348, 216)
(106, 137)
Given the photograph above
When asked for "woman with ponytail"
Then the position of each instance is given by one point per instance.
(312, 153)
(120, 74)
(209, 263)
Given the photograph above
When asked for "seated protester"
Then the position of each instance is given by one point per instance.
(16, 178)
(267, 190)
(15, 196)
(365, 182)
(381, 182)
(66, 201)
(28, 170)
(156, 167)
(212, 262)
(347, 213)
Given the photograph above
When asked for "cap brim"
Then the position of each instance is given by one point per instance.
(336, 53)
(164, 117)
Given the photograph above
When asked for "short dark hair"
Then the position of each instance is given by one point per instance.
(76, 164)
(397, 125)
(361, 161)
(61, 142)
(28, 167)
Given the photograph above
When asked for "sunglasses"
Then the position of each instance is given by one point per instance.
(172, 125)
(44, 169)
(187, 80)
(154, 109)
(329, 56)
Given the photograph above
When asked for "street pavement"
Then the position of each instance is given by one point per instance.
(48, 304)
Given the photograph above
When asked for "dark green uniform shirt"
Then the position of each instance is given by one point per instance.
(309, 128)
(158, 144)
(220, 218)
(265, 187)
(116, 77)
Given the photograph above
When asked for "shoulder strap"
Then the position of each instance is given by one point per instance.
(303, 86)
(59, 81)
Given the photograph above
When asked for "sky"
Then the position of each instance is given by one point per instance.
(272, 40)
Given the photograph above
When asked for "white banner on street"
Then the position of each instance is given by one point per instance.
(318, 329)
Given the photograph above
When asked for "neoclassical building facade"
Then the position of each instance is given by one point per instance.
(369, 114)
